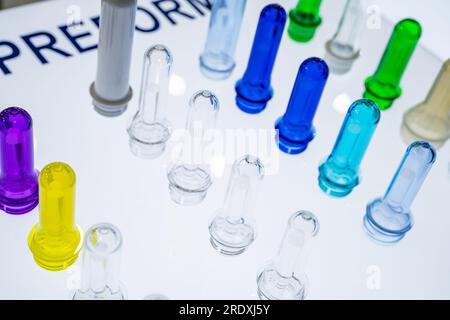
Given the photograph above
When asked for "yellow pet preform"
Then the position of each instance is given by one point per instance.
(56, 240)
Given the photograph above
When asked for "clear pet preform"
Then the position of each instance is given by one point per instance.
(430, 120)
(149, 129)
(190, 176)
(217, 60)
(284, 277)
(339, 174)
(232, 230)
(111, 91)
(295, 127)
(389, 218)
(19, 191)
(254, 90)
(101, 264)
(343, 48)
(55, 241)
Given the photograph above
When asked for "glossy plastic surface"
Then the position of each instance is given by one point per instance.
(232, 230)
(217, 60)
(190, 176)
(430, 120)
(284, 277)
(101, 264)
(56, 240)
(18, 177)
(383, 87)
(339, 174)
(149, 129)
(254, 90)
(304, 19)
(388, 219)
(295, 127)
(344, 48)
(111, 91)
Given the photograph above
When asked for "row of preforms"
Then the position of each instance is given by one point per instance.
(232, 230)
(111, 91)
(55, 241)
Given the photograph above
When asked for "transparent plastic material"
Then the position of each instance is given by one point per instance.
(149, 130)
(111, 91)
(295, 127)
(18, 177)
(430, 120)
(339, 174)
(343, 48)
(384, 86)
(388, 219)
(190, 177)
(101, 264)
(55, 241)
(254, 90)
(304, 19)
(232, 230)
(217, 60)
(284, 278)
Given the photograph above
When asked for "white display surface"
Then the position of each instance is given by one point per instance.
(166, 247)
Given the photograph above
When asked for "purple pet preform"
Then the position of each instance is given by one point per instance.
(18, 177)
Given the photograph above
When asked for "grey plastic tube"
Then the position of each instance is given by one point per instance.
(111, 91)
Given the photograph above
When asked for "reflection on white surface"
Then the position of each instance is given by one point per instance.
(177, 85)
(341, 103)
(217, 166)
(156, 296)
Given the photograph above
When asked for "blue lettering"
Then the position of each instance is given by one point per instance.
(205, 4)
(167, 12)
(74, 38)
(154, 23)
(15, 52)
(44, 43)
(96, 21)
(49, 46)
